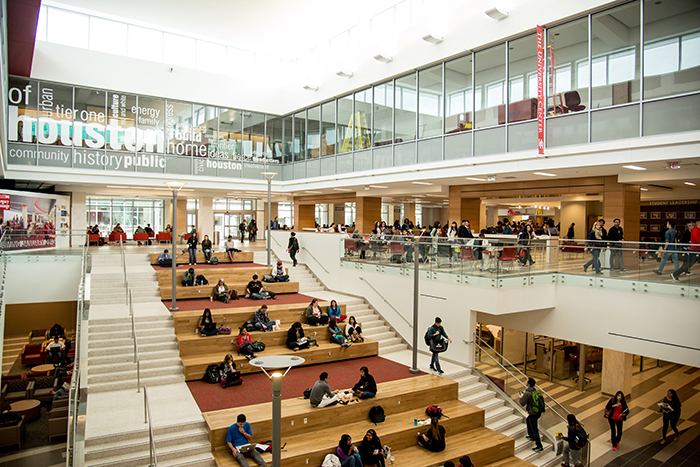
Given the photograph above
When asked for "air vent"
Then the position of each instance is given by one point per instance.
(509, 178)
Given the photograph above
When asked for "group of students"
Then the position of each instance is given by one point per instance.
(333, 316)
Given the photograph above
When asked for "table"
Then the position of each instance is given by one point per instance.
(30, 408)
(42, 368)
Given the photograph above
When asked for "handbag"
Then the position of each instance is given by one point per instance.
(607, 413)
(439, 346)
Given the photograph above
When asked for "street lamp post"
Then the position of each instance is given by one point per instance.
(269, 176)
(174, 187)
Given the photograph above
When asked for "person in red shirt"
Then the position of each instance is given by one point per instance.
(617, 410)
(691, 254)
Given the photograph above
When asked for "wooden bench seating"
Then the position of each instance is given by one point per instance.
(185, 322)
(184, 258)
(196, 366)
(242, 274)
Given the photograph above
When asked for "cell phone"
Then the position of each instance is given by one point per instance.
(376, 451)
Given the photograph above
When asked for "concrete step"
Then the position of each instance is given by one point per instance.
(381, 335)
(547, 459)
(515, 430)
(491, 403)
(131, 382)
(196, 460)
(146, 365)
(467, 391)
(115, 447)
(128, 357)
(356, 307)
(125, 333)
(386, 343)
(143, 349)
(522, 444)
(94, 344)
(466, 381)
(143, 320)
(139, 456)
(474, 397)
(506, 424)
(393, 348)
(118, 376)
(497, 413)
(529, 455)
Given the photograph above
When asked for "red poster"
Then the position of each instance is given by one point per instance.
(540, 91)
(4, 201)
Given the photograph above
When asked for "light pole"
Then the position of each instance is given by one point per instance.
(277, 361)
(269, 176)
(174, 187)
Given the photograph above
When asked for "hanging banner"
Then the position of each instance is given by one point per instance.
(540, 91)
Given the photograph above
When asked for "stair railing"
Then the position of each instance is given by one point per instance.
(137, 360)
(410, 325)
(319, 263)
(151, 439)
(521, 378)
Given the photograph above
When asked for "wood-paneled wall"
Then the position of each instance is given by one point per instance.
(23, 317)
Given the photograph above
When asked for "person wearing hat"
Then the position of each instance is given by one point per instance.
(278, 273)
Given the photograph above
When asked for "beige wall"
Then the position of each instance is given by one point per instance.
(573, 211)
(205, 218)
(23, 317)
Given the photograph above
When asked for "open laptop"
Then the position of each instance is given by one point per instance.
(245, 448)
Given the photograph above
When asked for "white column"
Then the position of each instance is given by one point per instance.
(205, 218)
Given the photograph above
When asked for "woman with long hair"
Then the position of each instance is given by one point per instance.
(334, 312)
(245, 344)
(594, 245)
(575, 437)
(336, 335)
(366, 387)
(347, 453)
(671, 408)
(353, 331)
(314, 315)
(570, 231)
(371, 449)
(229, 375)
(295, 337)
(207, 326)
(434, 439)
(524, 238)
(221, 292)
(616, 411)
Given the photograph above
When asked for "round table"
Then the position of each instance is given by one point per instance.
(42, 368)
(30, 408)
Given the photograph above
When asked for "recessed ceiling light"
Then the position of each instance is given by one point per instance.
(545, 174)
(476, 179)
(342, 189)
(634, 167)
(421, 183)
(644, 189)
(378, 186)
(495, 13)
(344, 74)
(310, 87)
(690, 183)
(115, 186)
(314, 192)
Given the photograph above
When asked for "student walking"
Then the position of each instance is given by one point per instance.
(293, 247)
(533, 402)
(616, 412)
(670, 250)
(435, 333)
(671, 409)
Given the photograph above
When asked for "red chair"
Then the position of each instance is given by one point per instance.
(508, 256)
(151, 234)
(396, 249)
(94, 238)
(114, 237)
(163, 237)
(32, 354)
(350, 247)
(187, 237)
(467, 254)
(141, 237)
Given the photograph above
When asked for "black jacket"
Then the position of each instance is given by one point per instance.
(366, 384)
(292, 335)
(192, 242)
(293, 244)
(625, 409)
(206, 244)
(464, 232)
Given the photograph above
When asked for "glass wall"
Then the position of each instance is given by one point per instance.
(567, 68)
(459, 98)
(406, 101)
(274, 144)
(299, 135)
(430, 102)
(362, 121)
(344, 133)
(253, 134)
(288, 138)
(522, 79)
(383, 126)
(313, 136)
(129, 213)
(328, 129)
(230, 127)
(285, 213)
(490, 85)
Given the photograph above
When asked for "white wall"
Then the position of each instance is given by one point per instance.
(42, 278)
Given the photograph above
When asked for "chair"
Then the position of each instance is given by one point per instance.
(32, 354)
(467, 254)
(58, 422)
(93, 238)
(37, 336)
(17, 390)
(114, 237)
(508, 256)
(572, 99)
(163, 237)
(396, 249)
(41, 390)
(350, 247)
(11, 435)
(141, 237)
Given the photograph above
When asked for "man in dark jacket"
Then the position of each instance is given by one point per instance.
(526, 400)
(616, 236)
(464, 231)
(293, 247)
(437, 332)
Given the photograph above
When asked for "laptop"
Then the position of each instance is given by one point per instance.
(245, 448)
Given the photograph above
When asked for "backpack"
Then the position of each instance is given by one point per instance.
(428, 337)
(434, 411)
(580, 437)
(537, 402)
(249, 326)
(376, 414)
(439, 346)
(258, 346)
(307, 393)
(213, 374)
(214, 260)
(246, 348)
(201, 280)
(224, 330)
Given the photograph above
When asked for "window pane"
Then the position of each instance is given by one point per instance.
(490, 77)
(274, 139)
(671, 48)
(383, 118)
(206, 122)
(229, 137)
(178, 128)
(90, 110)
(522, 67)
(107, 36)
(313, 136)
(299, 135)
(210, 57)
(344, 136)
(616, 40)
(178, 50)
(430, 102)
(363, 119)
(458, 86)
(145, 44)
(406, 105)
(328, 128)
(253, 134)
(288, 139)
(568, 51)
(68, 28)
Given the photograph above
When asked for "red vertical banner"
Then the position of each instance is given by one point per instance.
(540, 91)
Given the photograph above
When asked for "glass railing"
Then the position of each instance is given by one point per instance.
(502, 261)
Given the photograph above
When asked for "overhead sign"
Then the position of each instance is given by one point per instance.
(540, 90)
(4, 201)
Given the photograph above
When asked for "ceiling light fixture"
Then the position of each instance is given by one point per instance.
(545, 174)
(633, 167)
(378, 186)
(644, 189)
(114, 186)
(310, 87)
(344, 74)
(476, 179)
(689, 183)
(342, 189)
(383, 58)
(421, 183)
(314, 192)
(433, 39)
(495, 13)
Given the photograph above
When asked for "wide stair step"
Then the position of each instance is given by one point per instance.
(143, 349)
(126, 374)
(129, 357)
(131, 382)
(128, 341)
(393, 348)
(146, 366)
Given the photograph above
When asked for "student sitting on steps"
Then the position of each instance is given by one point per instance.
(229, 375)
(321, 395)
(188, 278)
(207, 326)
(434, 439)
(239, 434)
(336, 335)
(295, 337)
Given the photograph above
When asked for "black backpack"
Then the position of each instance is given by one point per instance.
(580, 438)
(376, 414)
(249, 326)
(428, 338)
(213, 374)
(201, 280)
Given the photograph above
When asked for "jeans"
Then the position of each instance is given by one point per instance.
(284, 278)
(615, 431)
(207, 255)
(257, 296)
(213, 332)
(595, 260)
(193, 255)
(533, 430)
(435, 362)
(673, 422)
(58, 393)
(688, 260)
(573, 454)
(615, 252)
(367, 395)
(293, 255)
(252, 454)
(352, 461)
(264, 327)
(674, 257)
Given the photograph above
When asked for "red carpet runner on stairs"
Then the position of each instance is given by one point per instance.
(256, 387)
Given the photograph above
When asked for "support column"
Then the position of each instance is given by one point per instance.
(181, 219)
(465, 208)
(409, 211)
(78, 215)
(368, 211)
(622, 201)
(205, 218)
(338, 213)
(304, 216)
(573, 212)
(617, 372)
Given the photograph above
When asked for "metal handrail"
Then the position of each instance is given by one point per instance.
(137, 360)
(319, 263)
(151, 439)
(410, 325)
